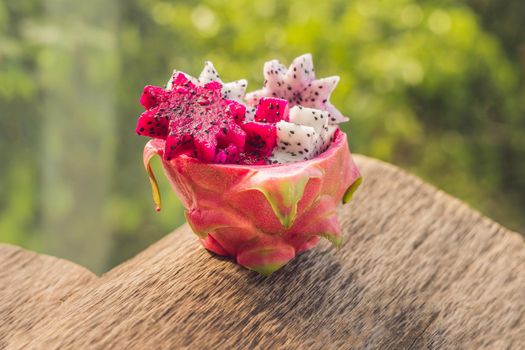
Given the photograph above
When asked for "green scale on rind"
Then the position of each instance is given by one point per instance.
(351, 190)
(335, 240)
(289, 194)
(268, 269)
(149, 153)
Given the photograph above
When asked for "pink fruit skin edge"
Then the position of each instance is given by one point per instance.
(261, 215)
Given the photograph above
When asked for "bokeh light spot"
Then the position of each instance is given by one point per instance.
(204, 19)
(265, 8)
(412, 72)
(439, 22)
(162, 13)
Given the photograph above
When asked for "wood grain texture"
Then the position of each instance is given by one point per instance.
(31, 285)
(418, 269)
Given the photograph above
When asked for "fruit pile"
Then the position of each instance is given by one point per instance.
(290, 119)
(261, 175)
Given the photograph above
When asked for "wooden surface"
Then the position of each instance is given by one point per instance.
(418, 269)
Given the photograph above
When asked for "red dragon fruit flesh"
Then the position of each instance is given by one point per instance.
(260, 180)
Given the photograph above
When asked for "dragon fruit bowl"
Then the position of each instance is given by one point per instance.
(261, 181)
(262, 215)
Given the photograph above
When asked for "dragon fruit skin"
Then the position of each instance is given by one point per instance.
(261, 215)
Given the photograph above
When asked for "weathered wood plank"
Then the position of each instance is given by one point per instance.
(31, 285)
(418, 269)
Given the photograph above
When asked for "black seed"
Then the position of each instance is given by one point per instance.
(141, 129)
(292, 132)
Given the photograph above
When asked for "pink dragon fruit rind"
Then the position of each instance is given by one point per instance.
(262, 215)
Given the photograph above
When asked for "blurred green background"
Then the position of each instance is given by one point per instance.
(436, 87)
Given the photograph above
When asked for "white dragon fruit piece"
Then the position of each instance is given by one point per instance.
(296, 141)
(298, 85)
(234, 90)
(310, 117)
(306, 136)
(327, 136)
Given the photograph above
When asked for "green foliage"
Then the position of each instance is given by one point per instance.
(429, 85)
